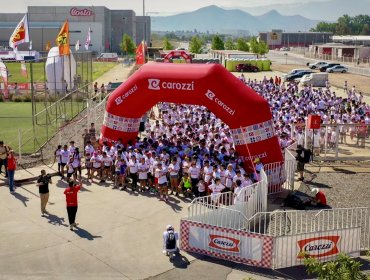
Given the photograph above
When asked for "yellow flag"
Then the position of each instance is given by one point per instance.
(62, 40)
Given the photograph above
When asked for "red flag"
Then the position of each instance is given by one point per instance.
(62, 40)
(140, 53)
(21, 34)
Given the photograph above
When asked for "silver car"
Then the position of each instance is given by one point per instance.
(337, 68)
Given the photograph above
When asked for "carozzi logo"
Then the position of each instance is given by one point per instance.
(224, 243)
(120, 99)
(318, 247)
(156, 84)
(212, 96)
(81, 13)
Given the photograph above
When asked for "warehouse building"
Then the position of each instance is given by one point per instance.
(107, 26)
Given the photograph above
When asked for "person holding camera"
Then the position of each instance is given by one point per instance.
(303, 157)
(43, 183)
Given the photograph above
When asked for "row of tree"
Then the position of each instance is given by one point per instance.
(197, 44)
(346, 25)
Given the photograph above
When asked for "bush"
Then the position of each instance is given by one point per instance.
(1, 98)
(342, 268)
(17, 99)
(27, 98)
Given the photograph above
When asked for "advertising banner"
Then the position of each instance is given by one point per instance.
(228, 244)
(324, 246)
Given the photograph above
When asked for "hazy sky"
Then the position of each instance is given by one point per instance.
(164, 7)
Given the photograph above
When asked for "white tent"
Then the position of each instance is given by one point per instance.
(60, 71)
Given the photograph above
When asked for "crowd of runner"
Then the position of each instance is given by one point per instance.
(290, 105)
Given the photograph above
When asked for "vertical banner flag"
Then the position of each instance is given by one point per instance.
(24, 69)
(88, 39)
(140, 53)
(20, 35)
(62, 40)
(48, 46)
(4, 76)
(77, 46)
(30, 46)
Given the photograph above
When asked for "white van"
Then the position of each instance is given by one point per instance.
(107, 57)
(314, 79)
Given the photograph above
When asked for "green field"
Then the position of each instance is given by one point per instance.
(14, 69)
(15, 117)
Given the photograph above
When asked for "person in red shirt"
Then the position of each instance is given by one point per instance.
(12, 165)
(72, 203)
(319, 199)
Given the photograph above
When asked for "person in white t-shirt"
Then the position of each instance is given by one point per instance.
(216, 189)
(107, 167)
(64, 158)
(162, 181)
(174, 169)
(143, 169)
(96, 165)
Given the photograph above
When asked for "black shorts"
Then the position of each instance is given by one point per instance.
(164, 185)
(69, 175)
(300, 166)
(107, 167)
(63, 164)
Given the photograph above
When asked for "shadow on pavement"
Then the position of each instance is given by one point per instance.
(180, 261)
(85, 234)
(55, 220)
(22, 198)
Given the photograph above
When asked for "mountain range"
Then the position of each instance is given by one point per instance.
(215, 19)
(323, 10)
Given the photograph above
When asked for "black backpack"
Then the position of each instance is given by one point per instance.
(171, 241)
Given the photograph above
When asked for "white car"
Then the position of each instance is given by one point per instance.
(337, 68)
(317, 65)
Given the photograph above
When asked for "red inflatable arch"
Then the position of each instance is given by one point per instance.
(172, 54)
(210, 85)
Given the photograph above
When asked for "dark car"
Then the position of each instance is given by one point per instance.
(326, 66)
(246, 68)
(297, 75)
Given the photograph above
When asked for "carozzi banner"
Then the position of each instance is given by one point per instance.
(325, 246)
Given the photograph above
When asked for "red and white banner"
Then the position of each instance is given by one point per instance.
(227, 244)
(140, 53)
(4, 76)
(21, 34)
(324, 246)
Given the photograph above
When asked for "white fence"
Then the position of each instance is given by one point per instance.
(228, 209)
(335, 141)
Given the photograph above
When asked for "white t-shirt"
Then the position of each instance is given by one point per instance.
(174, 169)
(57, 156)
(96, 160)
(194, 172)
(64, 156)
(143, 171)
(162, 178)
(107, 161)
(89, 149)
(132, 165)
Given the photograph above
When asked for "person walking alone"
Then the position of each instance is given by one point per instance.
(43, 183)
(12, 166)
(72, 203)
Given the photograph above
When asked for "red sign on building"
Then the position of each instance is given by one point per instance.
(81, 13)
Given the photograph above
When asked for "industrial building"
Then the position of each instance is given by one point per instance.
(277, 39)
(107, 26)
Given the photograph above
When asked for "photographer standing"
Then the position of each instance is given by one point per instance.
(43, 183)
(303, 157)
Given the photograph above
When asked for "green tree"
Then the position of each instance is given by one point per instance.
(196, 44)
(230, 44)
(217, 43)
(342, 268)
(127, 45)
(262, 48)
(242, 45)
(325, 27)
(167, 44)
(254, 46)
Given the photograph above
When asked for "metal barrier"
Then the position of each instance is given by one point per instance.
(336, 141)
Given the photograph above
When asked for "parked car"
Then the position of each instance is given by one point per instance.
(291, 72)
(337, 68)
(326, 66)
(297, 76)
(246, 68)
(286, 49)
(317, 65)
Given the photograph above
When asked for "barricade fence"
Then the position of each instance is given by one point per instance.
(335, 141)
